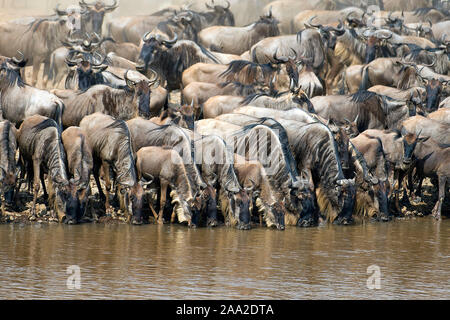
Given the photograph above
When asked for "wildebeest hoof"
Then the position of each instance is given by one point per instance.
(160, 221)
(136, 222)
(244, 226)
(193, 226)
(71, 221)
(305, 223)
(211, 223)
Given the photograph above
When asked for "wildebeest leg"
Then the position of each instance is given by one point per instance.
(105, 169)
(438, 207)
(36, 68)
(44, 189)
(96, 171)
(36, 184)
(2, 199)
(162, 202)
(46, 72)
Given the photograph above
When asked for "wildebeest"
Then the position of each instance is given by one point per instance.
(259, 142)
(19, 100)
(433, 160)
(79, 163)
(131, 29)
(368, 109)
(376, 191)
(237, 40)
(112, 148)
(124, 104)
(413, 97)
(316, 152)
(42, 152)
(282, 101)
(169, 58)
(200, 92)
(8, 173)
(36, 40)
(399, 152)
(295, 189)
(166, 166)
(428, 128)
(216, 159)
(182, 116)
(146, 133)
(253, 177)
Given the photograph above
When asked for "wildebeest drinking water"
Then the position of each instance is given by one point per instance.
(166, 165)
(111, 145)
(79, 163)
(42, 152)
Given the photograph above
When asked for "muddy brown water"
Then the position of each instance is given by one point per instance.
(174, 262)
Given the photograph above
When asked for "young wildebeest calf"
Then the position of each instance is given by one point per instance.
(8, 174)
(166, 165)
(42, 152)
(79, 163)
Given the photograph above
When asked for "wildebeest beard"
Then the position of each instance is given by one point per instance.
(144, 104)
(87, 79)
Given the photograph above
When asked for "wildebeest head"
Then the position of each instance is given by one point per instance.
(410, 141)
(270, 24)
(345, 192)
(376, 40)
(7, 184)
(132, 200)
(395, 24)
(94, 13)
(302, 196)
(184, 116)
(328, 34)
(424, 31)
(351, 127)
(224, 16)
(153, 45)
(142, 92)
(433, 89)
(89, 71)
(9, 71)
(240, 207)
(291, 67)
(66, 202)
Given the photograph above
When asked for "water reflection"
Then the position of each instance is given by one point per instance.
(158, 262)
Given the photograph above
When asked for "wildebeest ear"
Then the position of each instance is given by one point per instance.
(423, 139)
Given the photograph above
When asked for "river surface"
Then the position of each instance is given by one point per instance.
(174, 262)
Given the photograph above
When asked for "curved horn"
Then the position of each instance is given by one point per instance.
(17, 61)
(228, 5)
(58, 11)
(313, 25)
(82, 3)
(172, 41)
(295, 54)
(208, 6)
(279, 60)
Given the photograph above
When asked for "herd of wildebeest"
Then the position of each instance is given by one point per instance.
(302, 116)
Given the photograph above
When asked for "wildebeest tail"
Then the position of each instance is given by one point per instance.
(365, 83)
(208, 54)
